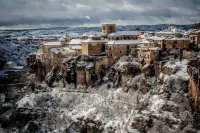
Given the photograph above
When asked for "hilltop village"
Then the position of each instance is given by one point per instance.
(102, 49)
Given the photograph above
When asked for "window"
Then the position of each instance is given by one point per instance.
(128, 47)
(111, 28)
(104, 28)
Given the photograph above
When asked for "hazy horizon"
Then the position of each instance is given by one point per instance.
(80, 26)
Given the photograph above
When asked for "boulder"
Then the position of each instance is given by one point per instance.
(7, 118)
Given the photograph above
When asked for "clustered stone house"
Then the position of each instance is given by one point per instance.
(111, 43)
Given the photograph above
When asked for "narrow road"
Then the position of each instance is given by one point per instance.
(17, 84)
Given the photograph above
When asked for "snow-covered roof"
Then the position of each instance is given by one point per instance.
(124, 33)
(92, 33)
(155, 48)
(52, 43)
(167, 32)
(76, 47)
(125, 42)
(192, 35)
(144, 41)
(93, 36)
(175, 38)
(63, 51)
(90, 40)
(198, 31)
(75, 42)
(17, 67)
(156, 38)
(10, 62)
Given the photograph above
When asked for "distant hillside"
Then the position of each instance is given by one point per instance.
(15, 52)
(119, 27)
(154, 27)
(76, 31)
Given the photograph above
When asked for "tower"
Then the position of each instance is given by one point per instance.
(197, 25)
(108, 28)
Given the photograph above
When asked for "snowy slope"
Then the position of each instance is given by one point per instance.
(15, 52)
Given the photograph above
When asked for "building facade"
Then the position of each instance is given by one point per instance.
(148, 55)
(157, 41)
(94, 45)
(121, 47)
(183, 43)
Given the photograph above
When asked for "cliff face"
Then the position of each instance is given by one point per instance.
(194, 86)
(125, 97)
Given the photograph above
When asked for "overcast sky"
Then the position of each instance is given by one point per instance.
(39, 13)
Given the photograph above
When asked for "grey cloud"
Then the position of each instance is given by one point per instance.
(68, 12)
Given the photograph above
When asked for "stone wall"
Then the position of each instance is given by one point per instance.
(94, 48)
(107, 61)
(81, 76)
(157, 68)
(119, 50)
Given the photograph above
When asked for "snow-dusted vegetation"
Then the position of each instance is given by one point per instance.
(140, 104)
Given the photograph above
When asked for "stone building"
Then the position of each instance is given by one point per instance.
(108, 28)
(197, 25)
(158, 41)
(170, 32)
(183, 43)
(75, 42)
(77, 48)
(58, 54)
(94, 45)
(195, 37)
(44, 53)
(148, 55)
(192, 35)
(9, 65)
(121, 47)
